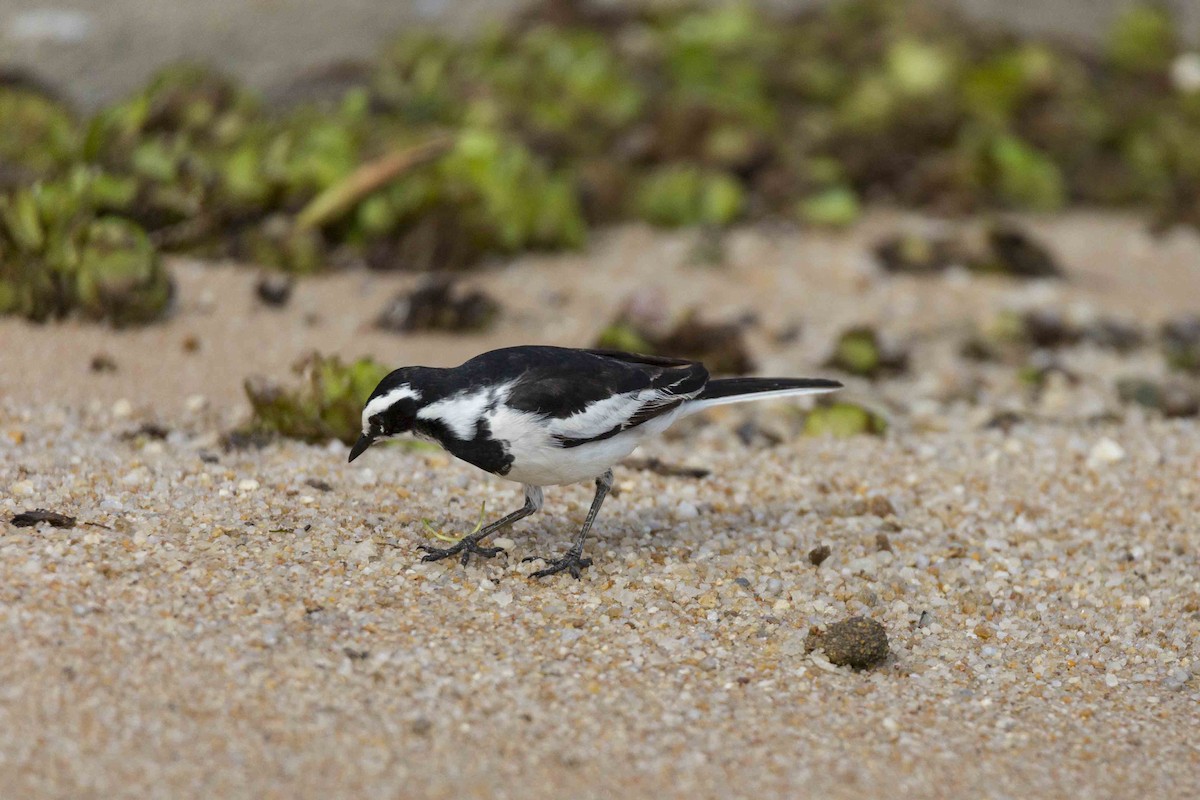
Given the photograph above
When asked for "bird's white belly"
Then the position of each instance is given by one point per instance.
(540, 461)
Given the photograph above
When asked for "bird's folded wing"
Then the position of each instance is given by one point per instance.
(605, 393)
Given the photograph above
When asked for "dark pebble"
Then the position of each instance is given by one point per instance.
(103, 362)
(28, 519)
(818, 554)
(274, 289)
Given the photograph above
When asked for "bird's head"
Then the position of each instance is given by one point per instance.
(391, 409)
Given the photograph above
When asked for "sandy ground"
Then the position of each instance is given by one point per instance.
(256, 623)
(99, 50)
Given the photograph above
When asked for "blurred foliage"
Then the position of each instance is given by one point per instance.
(843, 419)
(61, 249)
(861, 351)
(576, 115)
(326, 403)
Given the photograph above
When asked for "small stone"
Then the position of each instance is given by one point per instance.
(195, 403)
(122, 409)
(22, 488)
(818, 554)
(880, 506)
(364, 551)
(686, 511)
(274, 289)
(248, 485)
(1185, 72)
(857, 642)
(1105, 452)
(504, 543)
(103, 362)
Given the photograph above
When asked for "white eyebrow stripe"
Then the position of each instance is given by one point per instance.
(382, 402)
(462, 412)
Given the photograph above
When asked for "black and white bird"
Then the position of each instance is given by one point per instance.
(544, 416)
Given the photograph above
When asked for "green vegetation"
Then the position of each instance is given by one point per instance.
(325, 404)
(451, 150)
(844, 419)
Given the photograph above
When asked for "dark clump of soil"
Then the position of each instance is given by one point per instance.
(857, 642)
(642, 327)
(1000, 248)
(440, 304)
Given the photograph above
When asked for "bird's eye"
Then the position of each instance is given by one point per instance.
(376, 421)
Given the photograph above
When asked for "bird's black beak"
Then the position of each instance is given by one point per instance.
(361, 446)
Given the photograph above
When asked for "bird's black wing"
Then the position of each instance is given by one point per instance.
(589, 395)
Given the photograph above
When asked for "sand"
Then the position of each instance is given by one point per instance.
(256, 623)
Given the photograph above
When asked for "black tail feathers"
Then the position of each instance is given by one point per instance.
(736, 387)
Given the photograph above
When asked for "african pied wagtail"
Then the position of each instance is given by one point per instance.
(544, 416)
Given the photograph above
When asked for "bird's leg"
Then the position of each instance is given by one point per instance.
(470, 544)
(574, 561)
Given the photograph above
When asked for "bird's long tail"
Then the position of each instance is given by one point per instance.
(742, 390)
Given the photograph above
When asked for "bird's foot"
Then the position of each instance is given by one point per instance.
(465, 547)
(573, 562)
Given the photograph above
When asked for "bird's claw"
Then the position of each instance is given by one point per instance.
(465, 547)
(573, 562)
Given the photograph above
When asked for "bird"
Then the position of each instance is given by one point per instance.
(548, 416)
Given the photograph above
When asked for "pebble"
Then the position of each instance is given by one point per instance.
(248, 485)
(1105, 452)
